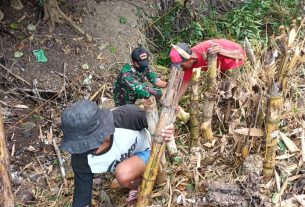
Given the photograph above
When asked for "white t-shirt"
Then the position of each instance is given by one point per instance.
(125, 143)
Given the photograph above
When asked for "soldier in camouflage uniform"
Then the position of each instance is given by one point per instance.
(131, 82)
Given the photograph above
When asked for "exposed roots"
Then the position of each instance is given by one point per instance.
(1, 15)
(53, 14)
(16, 4)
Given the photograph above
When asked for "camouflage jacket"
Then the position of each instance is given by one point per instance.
(130, 85)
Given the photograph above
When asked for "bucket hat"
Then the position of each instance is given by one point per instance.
(85, 126)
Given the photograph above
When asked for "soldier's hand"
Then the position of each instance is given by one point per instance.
(168, 133)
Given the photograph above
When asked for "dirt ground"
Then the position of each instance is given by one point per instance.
(30, 120)
(112, 24)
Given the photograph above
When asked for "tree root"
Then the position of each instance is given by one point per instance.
(1, 15)
(16, 4)
(53, 14)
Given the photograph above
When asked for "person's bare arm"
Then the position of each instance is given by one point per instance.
(160, 83)
(234, 54)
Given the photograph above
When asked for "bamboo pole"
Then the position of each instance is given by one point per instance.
(195, 107)
(283, 70)
(152, 115)
(6, 195)
(271, 125)
(209, 101)
(291, 67)
(167, 114)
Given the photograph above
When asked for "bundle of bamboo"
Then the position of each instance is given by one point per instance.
(167, 115)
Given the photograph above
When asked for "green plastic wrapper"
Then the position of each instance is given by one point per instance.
(40, 57)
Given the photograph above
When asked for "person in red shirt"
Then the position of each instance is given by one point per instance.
(230, 55)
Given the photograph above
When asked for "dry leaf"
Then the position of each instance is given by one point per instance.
(66, 50)
(277, 180)
(283, 157)
(21, 106)
(289, 143)
(50, 135)
(254, 132)
(303, 145)
(292, 36)
(20, 46)
(31, 148)
(100, 56)
(13, 150)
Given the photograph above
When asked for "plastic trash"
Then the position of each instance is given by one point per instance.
(40, 57)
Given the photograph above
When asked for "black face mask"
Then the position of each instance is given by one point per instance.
(141, 68)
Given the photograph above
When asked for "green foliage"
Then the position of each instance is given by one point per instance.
(14, 26)
(253, 19)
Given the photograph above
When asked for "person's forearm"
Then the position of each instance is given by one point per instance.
(235, 54)
(160, 83)
(183, 89)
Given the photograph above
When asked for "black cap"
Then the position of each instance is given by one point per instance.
(140, 55)
(85, 126)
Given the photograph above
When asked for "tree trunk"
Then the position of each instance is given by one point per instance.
(6, 195)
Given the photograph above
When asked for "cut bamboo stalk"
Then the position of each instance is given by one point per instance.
(291, 67)
(183, 116)
(6, 195)
(272, 119)
(195, 141)
(284, 62)
(283, 65)
(209, 99)
(152, 115)
(167, 114)
(291, 37)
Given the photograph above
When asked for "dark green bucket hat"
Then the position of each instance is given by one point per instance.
(85, 126)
